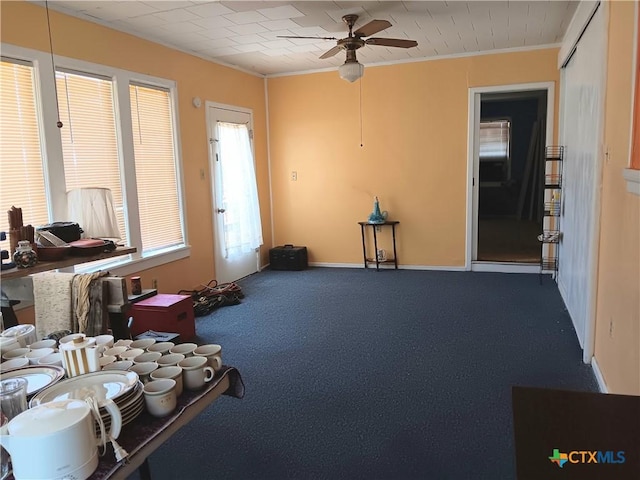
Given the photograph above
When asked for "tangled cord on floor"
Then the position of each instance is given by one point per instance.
(213, 295)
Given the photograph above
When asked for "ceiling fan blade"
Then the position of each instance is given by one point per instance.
(391, 42)
(331, 52)
(310, 38)
(374, 26)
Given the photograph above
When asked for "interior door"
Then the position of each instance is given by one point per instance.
(236, 212)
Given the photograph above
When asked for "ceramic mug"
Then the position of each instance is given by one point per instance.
(213, 354)
(15, 353)
(51, 359)
(147, 357)
(169, 360)
(119, 365)
(131, 354)
(35, 355)
(162, 347)
(160, 397)
(144, 370)
(174, 373)
(185, 349)
(143, 343)
(49, 343)
(195, 372)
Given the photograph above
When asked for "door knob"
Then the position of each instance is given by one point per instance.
(221, 210)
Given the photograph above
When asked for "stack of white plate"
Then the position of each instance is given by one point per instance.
(124, 388)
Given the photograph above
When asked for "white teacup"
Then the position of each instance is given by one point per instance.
(213, 354)
(15, 353)
(147, 357)
(119, 365)
(114, 351)
(35, 355)
(51, 359)
(19, 362)
(105, 340)
(131, 354)
(195, 372)
(160, 397)
(169, 360)
(185, 349)
(106, 360)
(123, 342)
(49, 343)
(173, 372)
(162, 347)
(144, 370)
(143, 343)
(70, 337)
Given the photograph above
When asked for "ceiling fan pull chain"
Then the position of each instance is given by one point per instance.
(360, 112)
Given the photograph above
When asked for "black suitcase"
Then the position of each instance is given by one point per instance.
(288, 257)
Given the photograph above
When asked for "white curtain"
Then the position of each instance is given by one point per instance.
(242, 224)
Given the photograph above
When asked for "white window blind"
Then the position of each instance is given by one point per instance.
(155, 162)
(494, 139)
(89, 139)
(22, 181)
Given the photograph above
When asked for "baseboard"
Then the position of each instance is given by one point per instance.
(501, 267)
(599, 378)
(387, 266)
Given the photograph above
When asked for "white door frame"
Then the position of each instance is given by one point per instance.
(473, 148)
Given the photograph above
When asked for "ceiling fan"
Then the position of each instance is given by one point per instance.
(352, 70)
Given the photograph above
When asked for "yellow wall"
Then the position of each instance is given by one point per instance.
(24, 24)
(618, 303)
(414, 153)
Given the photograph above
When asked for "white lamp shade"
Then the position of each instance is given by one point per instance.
(351, 71)
(93, 209)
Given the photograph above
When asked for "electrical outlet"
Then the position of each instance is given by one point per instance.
(294, 176)
(154, 283)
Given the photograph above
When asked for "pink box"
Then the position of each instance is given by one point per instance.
(164, 313)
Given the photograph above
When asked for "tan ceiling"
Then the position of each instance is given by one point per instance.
(245, 34)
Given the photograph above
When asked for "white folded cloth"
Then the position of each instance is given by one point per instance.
(52, 295)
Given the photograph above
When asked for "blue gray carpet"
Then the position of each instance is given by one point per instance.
(358, 374)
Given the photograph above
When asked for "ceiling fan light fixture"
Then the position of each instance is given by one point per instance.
(351, 71)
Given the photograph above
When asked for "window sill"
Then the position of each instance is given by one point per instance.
(134, 263)
(633, 180)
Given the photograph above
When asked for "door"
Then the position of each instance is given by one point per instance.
(237, 228)
(583, 86)
(497, 240)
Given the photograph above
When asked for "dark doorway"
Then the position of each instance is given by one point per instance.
(512, 133)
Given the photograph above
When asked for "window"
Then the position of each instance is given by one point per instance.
(155, 162)
(495, 152)
(89, 142)
(22, 181)
(494, 140)
(119, 132)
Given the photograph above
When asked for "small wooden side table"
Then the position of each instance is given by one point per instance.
(375, 259)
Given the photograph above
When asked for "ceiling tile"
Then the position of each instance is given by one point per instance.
(212, 9)
(243, 18)
(247, 28)
(177, 15)
(281, 13)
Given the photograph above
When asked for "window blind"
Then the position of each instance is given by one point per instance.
(22, 180)
(154, 150)
(494, 139)
(89, 139)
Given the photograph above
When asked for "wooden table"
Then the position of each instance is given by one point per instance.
(146, 433)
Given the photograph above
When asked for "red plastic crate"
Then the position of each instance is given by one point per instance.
(164, 313)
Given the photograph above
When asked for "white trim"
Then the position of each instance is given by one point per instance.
(599, 377)
(500, 267)
(268, 122)
(130, 264)
(632, 177)
(576, 28)
(472, 148)
(634, 65)
(422, 59)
